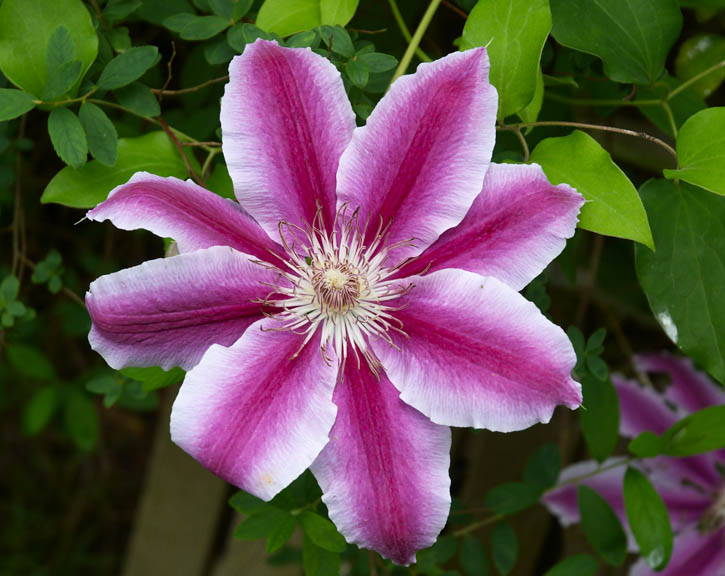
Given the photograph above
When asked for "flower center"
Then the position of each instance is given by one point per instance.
(336, 283)
(714, 518)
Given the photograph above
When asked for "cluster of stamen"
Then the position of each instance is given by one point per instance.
(335, 282)
(714, 518)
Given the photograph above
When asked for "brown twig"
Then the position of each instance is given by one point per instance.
(163, 92)
(18, 225)
(453, 8)
(65, 290)
(189, 168)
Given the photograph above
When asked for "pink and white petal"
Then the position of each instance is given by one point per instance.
(690, 389)
(694, 553)
(285, 122)
(642, 409)
(167, 312)
(515, 227)
(384, 473)
(420, 160)
(258, 413)
(193, 216)
(477, 353)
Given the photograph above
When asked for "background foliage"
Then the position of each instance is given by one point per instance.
(619, 98)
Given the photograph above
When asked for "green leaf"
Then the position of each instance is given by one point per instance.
(317, 561)
(377, 62)
(599, 416)
(84, 188)
(239, 35)
(203, 27)
(504, 547)
(338, 40)
(14, 103)
(514, 32)
(261, 524)
(39, 410)
(280, 534)
(597, 367)
(511, 497)
(602, 527)
(116, 10)
(303, 39)
(139, 99)
(109, 386)
(473, 557)
(127, 67)
(613, 206)
(81, 420)
(247, 503)
(683, 280)
(697, 54)
(26, 27)
(701, 151)
(596, 339)
(579, 565)
(286, 17)
(322, 532)
(68, 138)
(358, 73)
(29, 362)
(697, 433)
(648, 519)
(177, 22)
(153, 378)
(62, 79)
(542, 468)
(61, 49)
(100, 133)
(683, 105)
(632, 37)
(531, 112)
(337, 12)
(646, 445)
(230, 9)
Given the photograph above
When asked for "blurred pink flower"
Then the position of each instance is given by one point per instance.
(387, 311)
(693, 488)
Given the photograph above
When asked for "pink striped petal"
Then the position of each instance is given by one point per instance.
(695, 553)
(420, 160)
(478, 354)
(384, 474)
(516, 226)
(690, 389)
(167, 312)
(285, 121)
(254, 413)
(184, 211)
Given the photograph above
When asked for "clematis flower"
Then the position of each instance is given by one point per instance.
(693, 489)
(360, 298)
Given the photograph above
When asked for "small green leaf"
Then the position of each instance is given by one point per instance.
(596, 339)
(696, 433)
(648, 519)
(542, 468)
(377, 62)
(100, 133)
(139, 99)
(68, 138)
(247, 503)
(30, 362)
(514, 32)
(84, 188)
(62, 79)
(286, 17)
(504, 547)
(597, 367)
(39, 410)
(116, 10)
(602, 527)
(26, 28)
(317, 561)
(239, 35)
(153, 378)
(701, 151)
(358, 73)
(322, 532)
(61, 49)
(81, 421)
(632, 38)
(304, 39)
(473, 557)
(203, 27)
(599, 416)
(337, 12)
(280, 534)
(14, 103)
(613, 206)
(683, 280)
(579, 565)
(646, 445)
(177, 22)
(261, 523)
(338, 40)
(127, 67)
(511, 497)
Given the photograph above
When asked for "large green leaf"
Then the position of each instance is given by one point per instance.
(514, 32)
(84, 188)
(648, 518)
(25, 29)
(337, 12)
(632, 37)
(14, 103)
(601, 526)
(613, 206)
(683, 280)
(286, 17)
(701, 151)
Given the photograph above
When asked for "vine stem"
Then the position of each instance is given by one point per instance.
(415, 40)
(182, 91)
(687, 83)
(513, 127)
(65, 290)
(404, 30)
